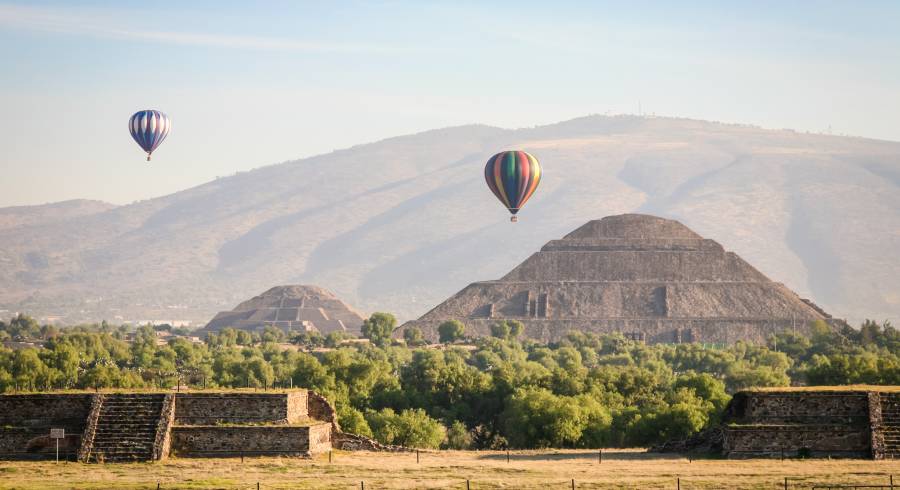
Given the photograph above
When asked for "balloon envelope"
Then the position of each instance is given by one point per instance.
(513, 176)
(149, 128)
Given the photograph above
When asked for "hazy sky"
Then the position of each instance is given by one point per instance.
(250, 86)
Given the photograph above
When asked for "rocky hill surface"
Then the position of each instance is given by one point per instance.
(401, 224)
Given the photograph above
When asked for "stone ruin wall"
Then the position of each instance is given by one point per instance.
(321, 409)
(240, 408)
(804, 423)
(192, 424)
(26, 420)
(635, 266)
(230, 424)
(714, 331)
(813, 441)
(211, 441)
(708, 309)
(800, 407)
(653, 312)
(604, 299)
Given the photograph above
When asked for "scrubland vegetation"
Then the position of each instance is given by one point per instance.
(585, 391)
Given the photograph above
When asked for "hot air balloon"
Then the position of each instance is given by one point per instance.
(513, 177)
(149, 128)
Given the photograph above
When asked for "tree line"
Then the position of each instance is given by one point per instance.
(501, 391)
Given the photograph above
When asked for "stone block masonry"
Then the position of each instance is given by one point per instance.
(250, 440)
(240, 408)
(797, 440)
(648, 278)
(26, 420)
(832, 423)
(853, 422)
(110, 427)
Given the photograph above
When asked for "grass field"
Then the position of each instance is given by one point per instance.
(545, 470)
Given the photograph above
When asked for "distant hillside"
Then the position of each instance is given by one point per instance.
(401, 224)
(17, 216)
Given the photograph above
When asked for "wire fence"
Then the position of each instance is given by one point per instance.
(677, 483)
(571, 484)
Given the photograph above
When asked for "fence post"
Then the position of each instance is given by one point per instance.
(417, 456)
(362, 485)
(785, 483)
(507, 455)
(600, 457)
(678, 483)
(467, 485)
(892, 482)
(329, 455)
(573, 484)
(157, 485)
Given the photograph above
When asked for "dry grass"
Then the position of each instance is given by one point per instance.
(450, 469)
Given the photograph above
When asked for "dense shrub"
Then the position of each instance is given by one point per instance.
(583, 391)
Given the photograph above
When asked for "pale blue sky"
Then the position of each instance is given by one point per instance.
(247, 86)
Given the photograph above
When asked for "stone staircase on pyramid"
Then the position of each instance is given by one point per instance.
(890, 419)
(126, 429)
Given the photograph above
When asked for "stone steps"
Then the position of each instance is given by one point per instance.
(126, 428)
(890, 418)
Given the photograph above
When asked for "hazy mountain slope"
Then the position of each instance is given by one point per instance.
(18, 216)
(401, 224)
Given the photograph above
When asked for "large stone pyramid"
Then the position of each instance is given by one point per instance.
(291, 308)
(649, 278)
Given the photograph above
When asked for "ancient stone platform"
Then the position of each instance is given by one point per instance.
(117, 427)
(646, 277)
(850, 422)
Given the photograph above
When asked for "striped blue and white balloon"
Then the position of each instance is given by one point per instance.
(149, 128)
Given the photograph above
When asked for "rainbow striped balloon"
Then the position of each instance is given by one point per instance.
(149, 128)
(513, 176)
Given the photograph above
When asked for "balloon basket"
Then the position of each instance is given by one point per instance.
(513, 219)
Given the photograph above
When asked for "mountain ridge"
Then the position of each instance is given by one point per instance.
(402, 223)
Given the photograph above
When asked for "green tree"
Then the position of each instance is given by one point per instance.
(409, 428)
(352, 420)
(515, 328)
(500, 330)
(23, 327)
(413, 336)
(706, 387)
(450, 331)
(507, 329)
(244, 337)
(458, 436)
(336, 338)
(272, 334)
(536, 418)
(379, 327)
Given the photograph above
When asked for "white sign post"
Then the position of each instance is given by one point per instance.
(57, 434)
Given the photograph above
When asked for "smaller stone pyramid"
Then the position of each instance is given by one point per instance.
(648, 278)
(290, 308)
